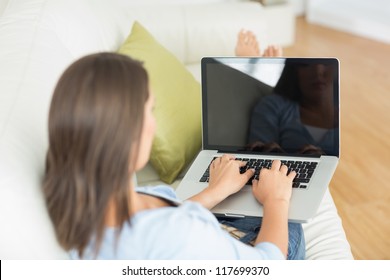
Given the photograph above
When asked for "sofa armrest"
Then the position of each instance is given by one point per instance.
(212, 29)
(207, 29)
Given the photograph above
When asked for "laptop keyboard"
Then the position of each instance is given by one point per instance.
(304, 170)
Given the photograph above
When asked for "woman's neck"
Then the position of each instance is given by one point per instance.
(318, 115)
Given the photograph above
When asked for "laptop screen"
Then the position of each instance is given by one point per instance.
(271, 105)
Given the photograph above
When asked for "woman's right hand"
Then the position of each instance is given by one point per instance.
(274, 184)
(274, 190)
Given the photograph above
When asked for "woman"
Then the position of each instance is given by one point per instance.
(101, 128)
(301, 114)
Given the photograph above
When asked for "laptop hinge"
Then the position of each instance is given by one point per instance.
(234, 215)
(268, 154)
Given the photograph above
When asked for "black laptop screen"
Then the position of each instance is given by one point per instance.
(271, 105)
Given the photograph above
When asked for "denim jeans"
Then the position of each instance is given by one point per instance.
(251, 226)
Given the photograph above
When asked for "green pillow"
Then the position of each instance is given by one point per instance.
(177, 107)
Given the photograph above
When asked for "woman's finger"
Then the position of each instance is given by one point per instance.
(228, 157)
(292, 175)
(284, 169)
(276, 164)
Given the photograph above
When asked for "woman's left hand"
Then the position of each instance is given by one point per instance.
(225, 175)
(225, 179)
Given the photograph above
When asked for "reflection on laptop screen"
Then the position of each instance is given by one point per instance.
(271, 105)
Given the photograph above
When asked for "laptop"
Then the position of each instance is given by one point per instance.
(262, 109)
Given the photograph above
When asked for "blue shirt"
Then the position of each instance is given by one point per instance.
(277, 119)
(188, 231)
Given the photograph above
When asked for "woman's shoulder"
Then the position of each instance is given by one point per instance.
(278, 99)
(163, 233)
(179, 214)
(152, 234)
(162, 191)
(275, 102)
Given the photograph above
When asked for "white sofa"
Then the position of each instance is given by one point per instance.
(40, 38)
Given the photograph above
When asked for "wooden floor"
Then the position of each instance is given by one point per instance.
(361, 185)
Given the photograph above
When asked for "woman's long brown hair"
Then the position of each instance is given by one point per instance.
(95, 124)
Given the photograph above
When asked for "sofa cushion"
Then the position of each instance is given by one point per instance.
(177, 106)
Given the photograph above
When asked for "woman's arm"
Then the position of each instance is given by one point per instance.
(273, 191)
(225, 179)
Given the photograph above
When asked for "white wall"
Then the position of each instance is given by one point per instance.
(299, 6)
(369, 19)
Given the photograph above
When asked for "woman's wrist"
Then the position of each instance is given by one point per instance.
(209, 197)
(274, 228)
(215, 194)
(277, 208)
(277, 203)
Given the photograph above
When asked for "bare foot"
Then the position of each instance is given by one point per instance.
(273, 51)
(247, 44)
